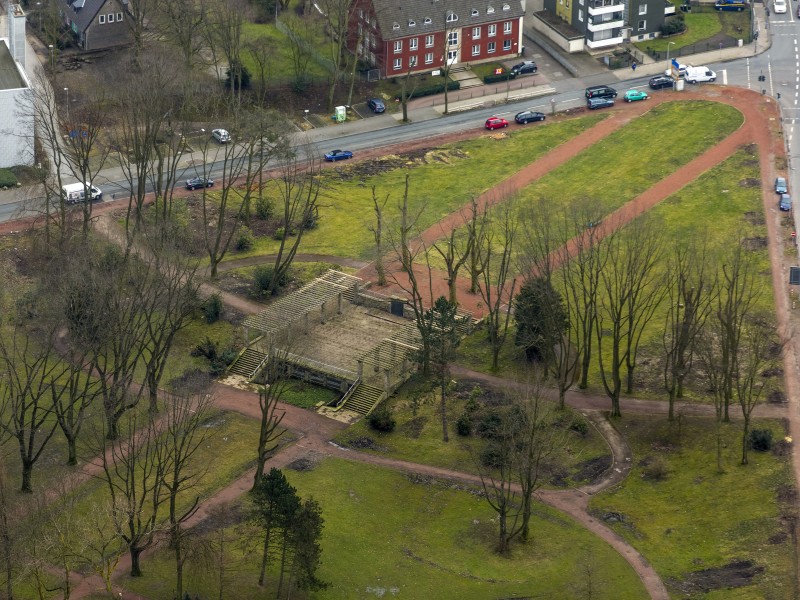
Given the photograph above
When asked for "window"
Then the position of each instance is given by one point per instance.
(506, 45)
(643, 9)
(475, 12)
(119, 17)
(110, 18)
(642, 25)
(506, 7)
(398, 64)
(428, 58)
(412, 43)
(395, 25)
(452, 38)
(491, 48)
(427, 21)
(412, 61)
(507, 27)
(428, 41)
(102, 20)
(476, 33)
(476, 49)
(490, 10)
(451, 17)
(412, 23)
(580, 16)
(492, 30)
(398, 46)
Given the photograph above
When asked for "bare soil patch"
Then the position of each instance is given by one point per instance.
(733, 575)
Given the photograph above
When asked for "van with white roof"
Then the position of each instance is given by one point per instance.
(75, 192)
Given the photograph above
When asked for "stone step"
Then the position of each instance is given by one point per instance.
(247, 363)
(364, 399)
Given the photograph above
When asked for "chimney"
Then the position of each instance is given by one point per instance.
(16, 32)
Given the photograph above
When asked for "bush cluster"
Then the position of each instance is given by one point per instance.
(761, 440)
(212, 308)
(219, 359)
(381, 419)
(262, 280)
(7, 178)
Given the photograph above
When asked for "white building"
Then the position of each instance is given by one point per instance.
(16, 96)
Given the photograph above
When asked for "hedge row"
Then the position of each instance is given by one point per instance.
(497, 78)
(433, 89)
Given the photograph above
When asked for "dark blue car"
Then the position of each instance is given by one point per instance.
(335, 155)
(376, 105)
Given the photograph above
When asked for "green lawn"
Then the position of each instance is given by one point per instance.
(441, 182)
(418, 434)
(699, 26)
(697, 518)
(388, 534)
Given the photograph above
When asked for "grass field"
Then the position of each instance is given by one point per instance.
(388, 534)
(698, 519)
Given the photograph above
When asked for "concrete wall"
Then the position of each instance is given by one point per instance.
(16, 128)
(567, 45)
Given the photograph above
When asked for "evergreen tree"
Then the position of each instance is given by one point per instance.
(541, 319)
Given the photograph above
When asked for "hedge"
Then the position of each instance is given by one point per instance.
(433, 89)
(496, 78)
(7, 178)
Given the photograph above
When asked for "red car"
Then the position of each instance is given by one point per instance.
(496, 123)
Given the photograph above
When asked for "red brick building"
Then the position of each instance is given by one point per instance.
(415, 36)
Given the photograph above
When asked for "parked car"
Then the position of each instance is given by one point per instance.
(376, 105)
(526, 116)
(198, 182)
(600, 91)
(681, 71)
(495, 123)
(785, 202)
(779, 7)
(634, 95)
(699, 75)
(221, 135)
(737, 5)
(335, 155)
(661, 81)
(595, 103)
(780, 185)
(526, 66)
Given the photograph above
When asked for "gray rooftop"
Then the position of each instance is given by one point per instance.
(10, 78)
(402, 19)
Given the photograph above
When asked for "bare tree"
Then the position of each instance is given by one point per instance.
(276, 379)
(479, 221)
(302, 33)
(182, 22)
(134, 470)
(227, 20)
(630, 296)
(338, 15)
(455, 250)
(689, 295)
(140, 14)
(104, 545)
(497, 291)
(30, 372)
(377, 234)
(184, 434)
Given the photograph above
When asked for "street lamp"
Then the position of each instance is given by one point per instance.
(668, 45)
(66, 91)
(52, 58)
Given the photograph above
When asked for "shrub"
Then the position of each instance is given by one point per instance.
(491, 425)
(381, 419)
(262, 280)
(674, 26)
(493, 455)
(207, 348)
(212, 308)
(433, 89)
(580, 426)
(243, 77)
(7, 178)
(264, 208)
(761, 440)
(244, 240)
(464, 425)
(655, 469)
(279, 234)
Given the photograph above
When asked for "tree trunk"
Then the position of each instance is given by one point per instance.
(72, 451)
(136, 569)
(629, 380)
(615, 411)
(585, 364)
(152, 387)
(264, 557)
(745, 431)
(283, 564)
(112, 422)
(671, 411)
(178, 562)
(445, 437)
(27, 474)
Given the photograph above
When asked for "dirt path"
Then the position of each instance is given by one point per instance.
(314, 431)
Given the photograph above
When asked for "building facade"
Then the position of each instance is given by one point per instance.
(16, 95)
(98, 24)
(419, 36)
(606, 23)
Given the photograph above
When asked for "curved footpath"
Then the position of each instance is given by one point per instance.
(314, 431)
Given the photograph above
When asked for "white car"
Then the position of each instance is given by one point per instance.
(779, 7)
(221, 135)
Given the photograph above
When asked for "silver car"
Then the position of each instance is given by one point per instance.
(221, 135)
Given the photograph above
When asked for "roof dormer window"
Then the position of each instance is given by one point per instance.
(451, 17)
(395, 25)
(490, 10)
(427, 21)
(475, 12)
(506, 7)
(412, 23)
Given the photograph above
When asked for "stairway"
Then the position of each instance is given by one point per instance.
(247, 363)
(364, 399)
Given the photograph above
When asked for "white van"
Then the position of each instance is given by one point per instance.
(74, 192)
(699, 74)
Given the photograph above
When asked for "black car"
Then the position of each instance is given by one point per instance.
(198, 182)
(526, 116)
(376, 105)
(595, 103)
(524, 67)
(659, 82)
